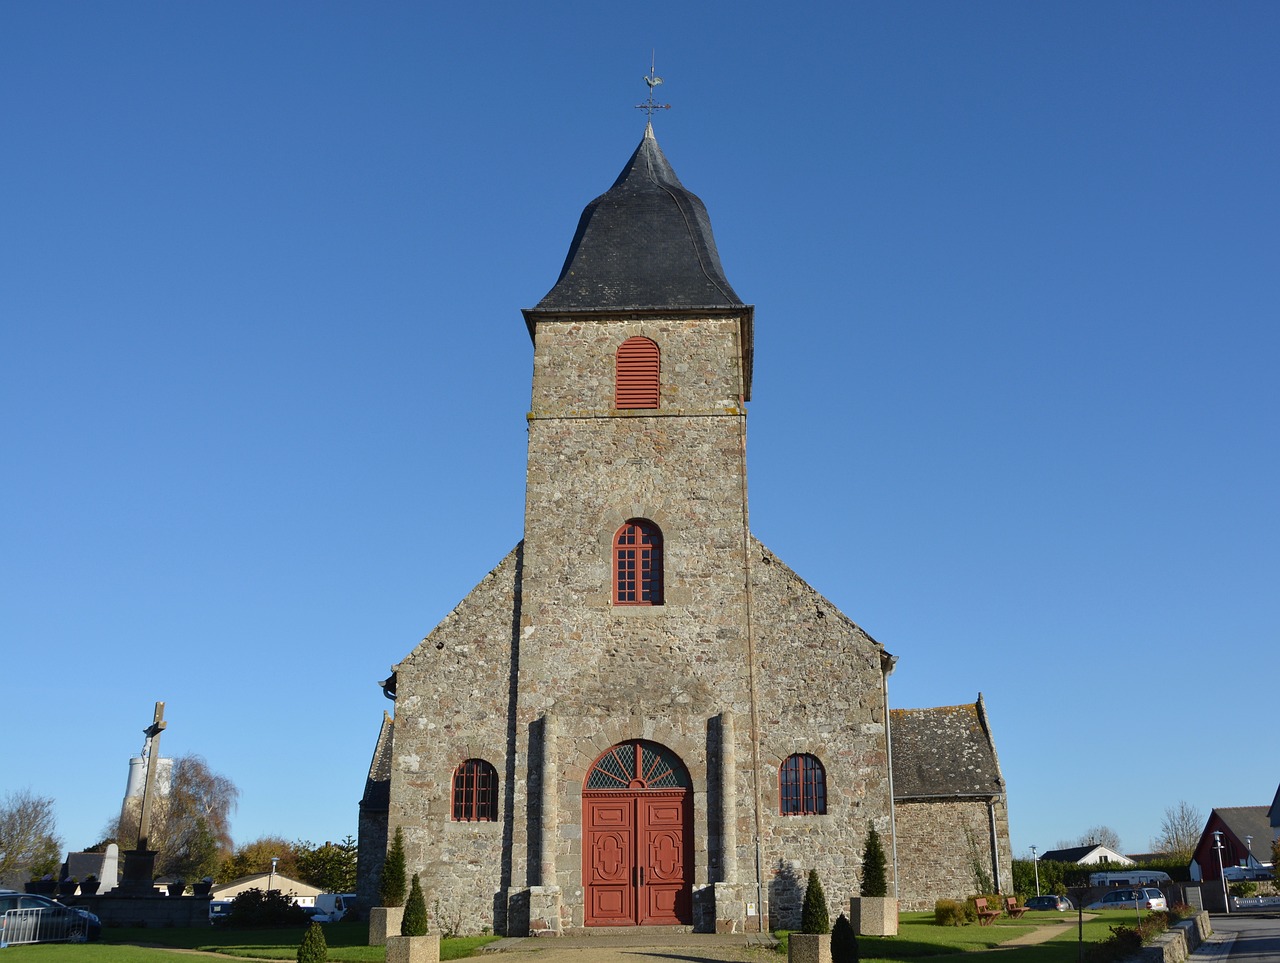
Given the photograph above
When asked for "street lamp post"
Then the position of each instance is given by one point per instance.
(1035, 861)
(1217, 844)
(272, 877)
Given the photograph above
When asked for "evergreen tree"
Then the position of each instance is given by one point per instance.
(844, 943)
(814, 918)
(391, 886)
(874, 882)
(414, 921)
(313, 948)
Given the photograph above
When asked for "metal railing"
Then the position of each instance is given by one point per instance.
(42, 925)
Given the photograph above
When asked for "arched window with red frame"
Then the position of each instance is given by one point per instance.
(637, 564)
(802, 786)
(475, 792)
(636, 374)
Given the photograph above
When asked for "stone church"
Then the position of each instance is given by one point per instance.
(641, 715)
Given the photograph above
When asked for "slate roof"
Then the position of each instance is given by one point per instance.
(645, 243)
(377, 785)
(945, 752)
(1243, 821)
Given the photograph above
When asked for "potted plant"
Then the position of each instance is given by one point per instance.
(875, 913)
(414, 944)
(813, 943)
(45, 885)
(385, 919)
(177, 887)
(68, 886)
(90, 885)
(202, 887)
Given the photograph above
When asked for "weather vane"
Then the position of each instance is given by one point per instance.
(652, 80)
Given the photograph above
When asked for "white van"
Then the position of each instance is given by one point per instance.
(1131, 877)
(331, 907)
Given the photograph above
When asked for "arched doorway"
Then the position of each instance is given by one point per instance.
(637, 854)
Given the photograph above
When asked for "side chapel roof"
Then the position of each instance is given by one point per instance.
(377, 785)
(945, 752)
(645, 243)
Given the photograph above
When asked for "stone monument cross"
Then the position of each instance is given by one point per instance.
(152, 750)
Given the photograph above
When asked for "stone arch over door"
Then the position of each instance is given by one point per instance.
(637, 853)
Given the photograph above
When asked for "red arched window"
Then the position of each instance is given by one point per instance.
(637, 564)
(802, 786)
(475, 792)
(636, 374)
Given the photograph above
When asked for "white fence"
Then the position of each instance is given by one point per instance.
(43, 925)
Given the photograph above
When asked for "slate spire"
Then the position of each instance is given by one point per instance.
(645, 243)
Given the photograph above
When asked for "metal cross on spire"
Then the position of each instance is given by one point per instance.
(653, 80)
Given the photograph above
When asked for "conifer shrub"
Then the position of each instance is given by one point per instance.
(844, 942)
(391, 886)
(313, 948)
(814, 917)
(874, 880)
(414, 921)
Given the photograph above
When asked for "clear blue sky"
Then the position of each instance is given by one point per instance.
(264, 373)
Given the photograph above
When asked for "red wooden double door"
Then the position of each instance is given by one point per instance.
(636, 856)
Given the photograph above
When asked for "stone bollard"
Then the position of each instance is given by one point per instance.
(414, 949)
(384, 922)
(809, 948)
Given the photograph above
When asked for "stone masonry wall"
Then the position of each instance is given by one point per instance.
(453, 705)
(606, 673)
(821, 691)
(939, 843)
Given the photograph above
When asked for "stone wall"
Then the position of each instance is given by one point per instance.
(539, 673)
(453, 705)
(941, 844)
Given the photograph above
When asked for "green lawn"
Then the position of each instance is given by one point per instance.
(348, 943)
(918, 937)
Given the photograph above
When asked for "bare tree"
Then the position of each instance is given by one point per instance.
(28, 842)
(190, 826)
(1101, 836)
(1179, 831)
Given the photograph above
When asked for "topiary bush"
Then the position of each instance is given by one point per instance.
(874, 880)
(844, 942)
(414, 921)
(313, 948)
(391, 886)
(814, 917)
(948, 912)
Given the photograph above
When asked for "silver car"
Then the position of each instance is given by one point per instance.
(1147, 898)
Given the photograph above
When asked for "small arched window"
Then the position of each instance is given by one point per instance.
(802, 786)
(475, 792)
(636, 374)
(637, 564)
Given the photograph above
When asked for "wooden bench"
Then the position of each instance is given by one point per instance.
(1012, 908)
(985, 916)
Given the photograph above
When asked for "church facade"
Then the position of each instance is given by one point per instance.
(641, 715)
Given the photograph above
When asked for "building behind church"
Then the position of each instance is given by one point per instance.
(641, 715)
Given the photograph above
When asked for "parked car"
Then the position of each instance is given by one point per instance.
(44, 920)
(1146, 898)
(1059, 903)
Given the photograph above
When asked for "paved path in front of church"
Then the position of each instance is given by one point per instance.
(638, 946)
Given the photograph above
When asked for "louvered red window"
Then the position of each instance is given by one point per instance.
(637, 564)
(802, 786)
(636, 380)
(475, 792)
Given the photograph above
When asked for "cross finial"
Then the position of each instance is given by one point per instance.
(653, 80)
